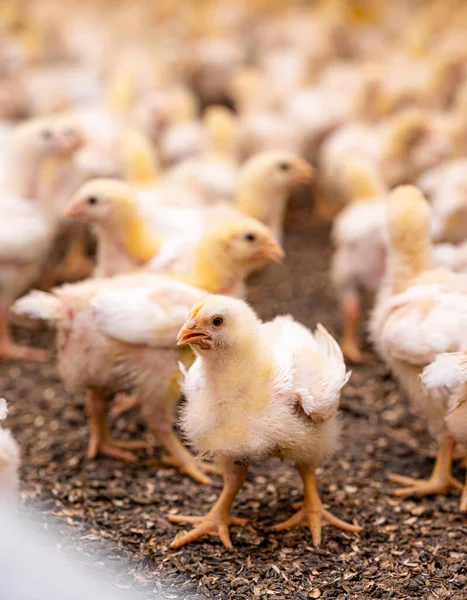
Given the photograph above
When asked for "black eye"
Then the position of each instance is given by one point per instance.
(284, 166)
(92, 200)
(217, 321)
(250, 237)
(46, 134)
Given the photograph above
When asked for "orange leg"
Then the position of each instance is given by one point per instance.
(351, 317)
(441, 480)
(9, 350)
(218, 519)
(123, 403)
(100, 441)
(312, 514)
(179, 457)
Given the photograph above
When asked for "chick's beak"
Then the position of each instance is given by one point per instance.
(68, 142)
(74, 208)
(192, 333)
(272, 251)
(304, 173)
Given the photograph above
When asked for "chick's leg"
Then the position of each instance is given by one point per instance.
(312, 514)
(178, 456)
(440, 481)
(218, 519)
(100, 441)
(123, 403)
(351, 317)
(10, 350)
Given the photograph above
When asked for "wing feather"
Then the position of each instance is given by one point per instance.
(145, 315)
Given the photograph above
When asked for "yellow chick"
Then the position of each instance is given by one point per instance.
(420, 314)
(258, 390)
(125, 241)
(267, 182)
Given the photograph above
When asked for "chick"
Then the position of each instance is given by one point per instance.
(360, 241)
(118, 335)
(446, 187)
(258, 390)
(267, 182)
(9, 460)
(420, 313)
(125, 241)
(212, 175)
(28, 221)
(447, 377)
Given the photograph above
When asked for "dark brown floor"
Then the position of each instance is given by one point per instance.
(408, 549)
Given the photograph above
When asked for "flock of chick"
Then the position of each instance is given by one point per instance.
(185, 207)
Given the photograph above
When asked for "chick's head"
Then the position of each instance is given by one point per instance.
(107, 202)
(409, 218)
(269, 178)
(241, 242)
(219, 323)
(48, 137)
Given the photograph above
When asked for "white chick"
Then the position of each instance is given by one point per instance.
(447, 377)
(359, 235)
(420, 314)
(27, 223)
(258, 390)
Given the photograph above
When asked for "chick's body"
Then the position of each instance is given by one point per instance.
(256, 416)
(420, 314)
(258, 390)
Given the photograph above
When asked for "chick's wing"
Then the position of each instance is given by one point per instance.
(150, 315)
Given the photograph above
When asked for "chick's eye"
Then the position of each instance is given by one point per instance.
(92, 200)
(217, 321)
(250, 237)
(284, 166)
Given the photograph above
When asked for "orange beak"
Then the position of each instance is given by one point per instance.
(304, 173)
(68, 142)
(272, 252)
(191, 333)
(74, 208)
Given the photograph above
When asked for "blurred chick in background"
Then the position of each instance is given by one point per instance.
(420, 314)
(28, 217)
(258, 390)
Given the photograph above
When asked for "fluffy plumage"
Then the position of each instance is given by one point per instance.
(258, 390)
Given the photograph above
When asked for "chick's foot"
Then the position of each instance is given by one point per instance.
(218, 519)
(214, 523)
(441, 480)
(312, 514)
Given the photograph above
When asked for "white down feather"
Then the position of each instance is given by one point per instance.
(430, 321)
(145, 315)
